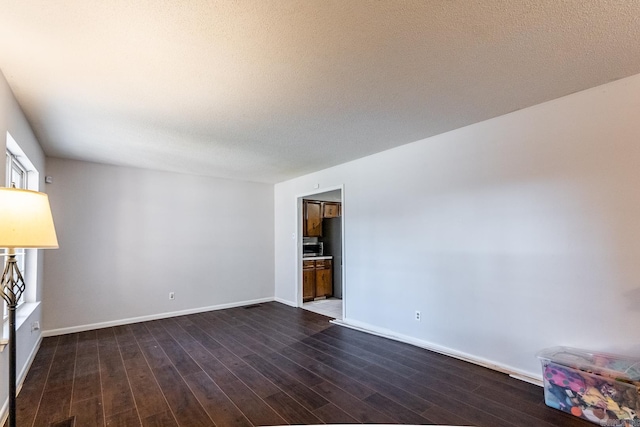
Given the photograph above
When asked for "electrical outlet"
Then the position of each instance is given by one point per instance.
(172, 295)
(35, 326)
(417, 316)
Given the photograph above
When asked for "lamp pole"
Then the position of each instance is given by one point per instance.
(12, 289)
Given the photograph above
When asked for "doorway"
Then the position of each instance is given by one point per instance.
(320, 256)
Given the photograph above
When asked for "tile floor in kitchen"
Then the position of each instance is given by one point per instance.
(331, 307)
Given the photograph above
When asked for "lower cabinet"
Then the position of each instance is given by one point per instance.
(317, 279)
(308, 280)
(324, 278)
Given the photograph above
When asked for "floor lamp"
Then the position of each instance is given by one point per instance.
(25, 222)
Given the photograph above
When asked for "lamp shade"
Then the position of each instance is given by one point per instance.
(25, 220)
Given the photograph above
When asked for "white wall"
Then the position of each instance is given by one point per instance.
(130, 236)
(510, 235)
(12, 120)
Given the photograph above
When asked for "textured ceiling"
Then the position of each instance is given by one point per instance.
(268, 90)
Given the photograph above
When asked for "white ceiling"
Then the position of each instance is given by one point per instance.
(266, 90)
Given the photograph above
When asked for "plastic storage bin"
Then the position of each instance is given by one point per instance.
(598, 387)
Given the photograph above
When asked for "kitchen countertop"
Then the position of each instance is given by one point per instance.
(313, 258)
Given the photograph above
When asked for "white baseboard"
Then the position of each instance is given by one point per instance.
(4, 411)
(496, 366)
(528, 379)
(91, 326)
(286, 302)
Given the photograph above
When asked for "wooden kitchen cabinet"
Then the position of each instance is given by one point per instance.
(313, 212)
(308, 280)
(324, 278)
(330, 210)
(312, 218)
(317, 279)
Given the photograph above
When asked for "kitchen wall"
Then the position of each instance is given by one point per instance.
(329, 196)
(509, 235)
(130, 236)
(12, 120)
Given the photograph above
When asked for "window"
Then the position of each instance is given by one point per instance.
(16, 172)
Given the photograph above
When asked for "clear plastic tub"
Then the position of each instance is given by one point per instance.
(623, 368)
(599, 387)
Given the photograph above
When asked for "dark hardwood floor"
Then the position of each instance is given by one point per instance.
(264, 365)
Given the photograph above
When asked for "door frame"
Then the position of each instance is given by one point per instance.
(299, 233)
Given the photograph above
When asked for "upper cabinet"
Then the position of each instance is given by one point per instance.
(312, 218)
(313, 211)
(330, 210)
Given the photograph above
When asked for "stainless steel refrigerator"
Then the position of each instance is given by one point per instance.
(332, 239)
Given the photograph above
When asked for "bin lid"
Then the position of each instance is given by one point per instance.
(610, 365)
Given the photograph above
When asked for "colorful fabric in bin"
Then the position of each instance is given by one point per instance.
(592, 397)
(563, 378)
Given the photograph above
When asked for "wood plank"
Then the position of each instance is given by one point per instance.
(55, 403)
(128, 418)
(395, 410)
(68, 422)
(344, 356)
(179, 358)
(117, 396)
(219, 407)
(356, 408)
(331, 414)
(215, 330)
(183, 403)
(176, 331)
(88, 412)
(86, 381)
(253, 379)
(147, 394)
(164, 419)
(290, 410)
(153, 353)
(63, 365)
(329, 374)
(306, 396)
(441, 416)
(254, 408)
(124, 335)
(54, 406)
(141, 332)
(31, 393)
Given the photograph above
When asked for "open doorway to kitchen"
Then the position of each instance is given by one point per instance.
(320, 253)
